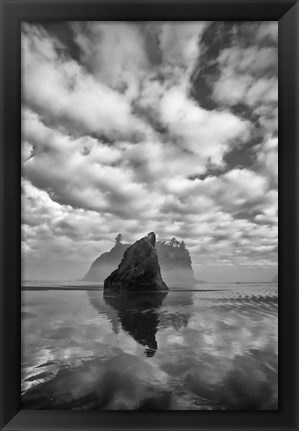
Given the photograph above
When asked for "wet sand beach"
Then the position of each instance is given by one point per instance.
(213, 348)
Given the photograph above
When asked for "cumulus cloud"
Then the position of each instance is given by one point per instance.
(64, 93)
(248, 73)
(205, 133)
(267, 160)
(114, 140)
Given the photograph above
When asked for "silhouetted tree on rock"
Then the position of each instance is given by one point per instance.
(174, 242)
(119, 238)
(183, 245)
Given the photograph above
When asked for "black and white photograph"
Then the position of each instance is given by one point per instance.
(149, 215)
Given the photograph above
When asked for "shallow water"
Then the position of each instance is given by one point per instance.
(208, 349)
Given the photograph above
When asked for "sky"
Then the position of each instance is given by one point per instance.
(133, 127)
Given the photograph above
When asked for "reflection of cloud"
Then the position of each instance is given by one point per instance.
(227, 355)
(123, 382)
(249, 382)
(216, 349)
(102, 307)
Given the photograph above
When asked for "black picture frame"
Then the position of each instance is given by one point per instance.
(12, 13)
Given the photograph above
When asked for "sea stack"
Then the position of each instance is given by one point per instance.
(139, 269)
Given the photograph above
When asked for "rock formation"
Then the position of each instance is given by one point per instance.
(139, 269)
(106, 263)
(174, 260)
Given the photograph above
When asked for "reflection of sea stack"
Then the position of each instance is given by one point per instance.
(118, 306)
(138, 315)
(139, 269)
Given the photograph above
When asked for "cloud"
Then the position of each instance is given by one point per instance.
(64, 93)
(268, 118)
(205, 133)
(55, 235)
(233, 89)
(179, 43)
(114, 53)
(115, 141)
(248, 74)
(267, 160)
(268, 31)
(253, 60)
(83, 172)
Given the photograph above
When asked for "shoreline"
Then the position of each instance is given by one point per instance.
(101, 289)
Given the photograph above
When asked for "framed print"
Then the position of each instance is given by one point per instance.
(149, 215)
